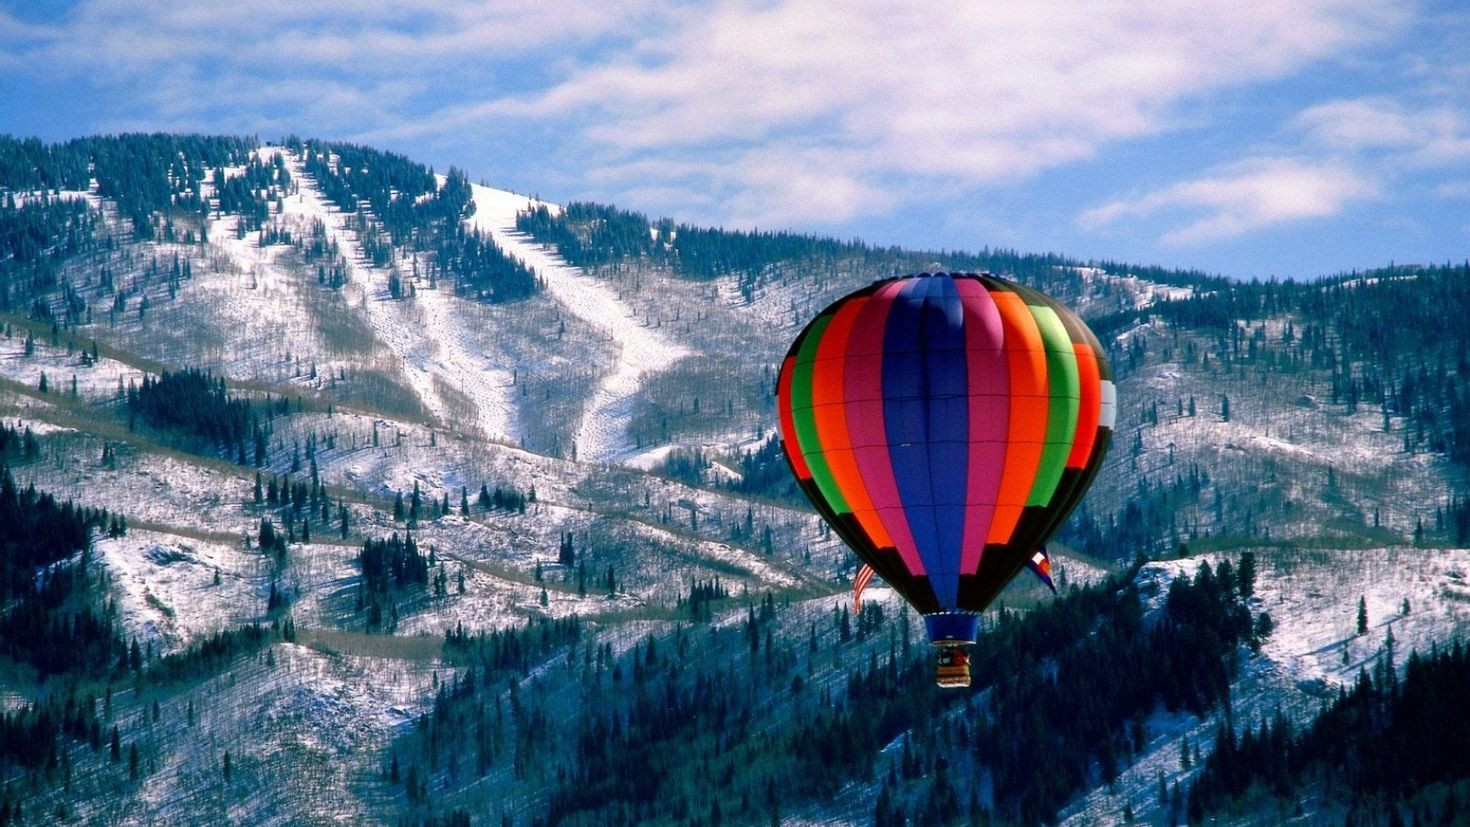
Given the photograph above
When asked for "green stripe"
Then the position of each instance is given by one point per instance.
(1061, 418)
(806, 421)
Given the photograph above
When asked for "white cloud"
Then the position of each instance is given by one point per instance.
(1353, 125)
(1459, 190)
(758, 111)
(349, 69)
(1417, 136)
(1342, 152)
(903, 95)
(370, 36)
(1248, 196)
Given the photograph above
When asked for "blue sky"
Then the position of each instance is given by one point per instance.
(1293, 138)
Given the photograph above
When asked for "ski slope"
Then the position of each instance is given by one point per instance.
(427, 334)
(602, 435)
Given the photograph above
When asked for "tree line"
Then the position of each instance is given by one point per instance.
(595, 236)
(1390, 748)
(701, 725)
(52, 619)
(400, 207)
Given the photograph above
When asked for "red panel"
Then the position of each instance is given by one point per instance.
(788, 422)
(1090, 408)
(829, 407)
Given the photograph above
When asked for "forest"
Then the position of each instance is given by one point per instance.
(1374, 335)
(1054, 668)
(596, 236)
(400, 208)
(51, 619)
(725, 706)
(1391, 748)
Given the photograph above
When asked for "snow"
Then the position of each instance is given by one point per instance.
(602, 435)
(165, 586)
(61, 365)
(1312, 596)
(22, 198)
(334, 698)
(427, 334)
(1304, 464)
(328, 715)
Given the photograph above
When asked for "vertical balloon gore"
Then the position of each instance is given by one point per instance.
(945, 425)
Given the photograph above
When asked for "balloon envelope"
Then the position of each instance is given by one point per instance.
(945, 425)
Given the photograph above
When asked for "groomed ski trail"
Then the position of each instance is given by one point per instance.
(602, 435)
(425, 333)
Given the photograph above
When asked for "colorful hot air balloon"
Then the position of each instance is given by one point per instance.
(945, 425)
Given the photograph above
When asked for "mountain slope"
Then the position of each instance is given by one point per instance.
(401, 337)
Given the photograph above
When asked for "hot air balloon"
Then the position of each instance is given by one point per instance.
(945, 425)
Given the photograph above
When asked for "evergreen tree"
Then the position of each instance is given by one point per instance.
(1245, 576)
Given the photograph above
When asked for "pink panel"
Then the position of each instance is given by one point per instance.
(864, 388)
(990, 407)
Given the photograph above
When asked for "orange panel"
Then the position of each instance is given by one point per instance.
(1030, 400)
(1005, 519)
(830, 411)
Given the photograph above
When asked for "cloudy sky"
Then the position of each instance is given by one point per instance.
(1291, 138)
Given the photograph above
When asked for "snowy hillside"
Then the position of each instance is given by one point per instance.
(602, 432)
(1418, 597)
(580, 454)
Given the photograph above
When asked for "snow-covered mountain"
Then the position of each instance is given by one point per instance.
(405, 340)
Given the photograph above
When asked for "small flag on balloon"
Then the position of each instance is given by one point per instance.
(1041, 565)
(864, 576)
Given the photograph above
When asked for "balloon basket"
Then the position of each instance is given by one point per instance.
(952, 666)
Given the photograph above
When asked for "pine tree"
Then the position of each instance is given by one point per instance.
(1245, 575)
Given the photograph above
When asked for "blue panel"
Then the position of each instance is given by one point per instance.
(926, 413)
(952, 626)
(947, 585)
